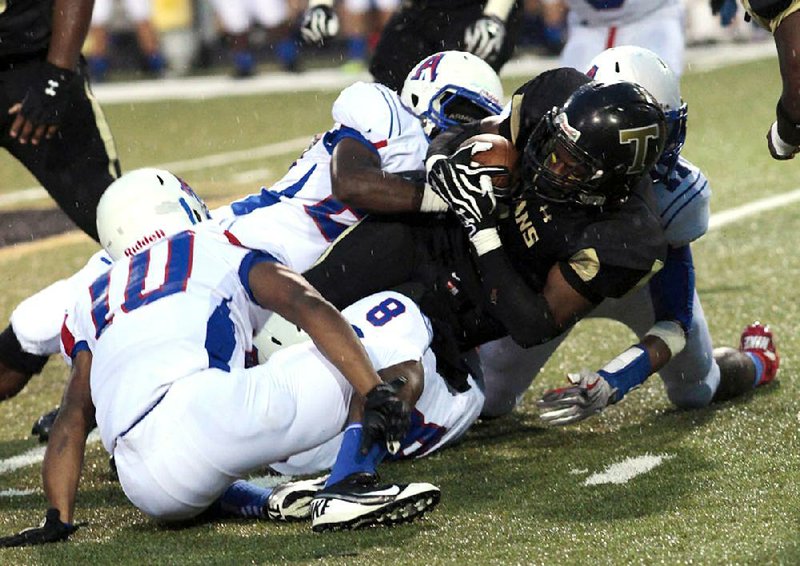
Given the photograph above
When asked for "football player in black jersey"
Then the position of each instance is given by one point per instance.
(487, 28)
(578, 228)
(782, 18)
(51, 123)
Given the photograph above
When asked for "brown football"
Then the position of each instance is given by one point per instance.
(502, 154)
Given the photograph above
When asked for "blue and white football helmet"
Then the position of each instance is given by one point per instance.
(144, 206)
(645, 68)
(450, 88)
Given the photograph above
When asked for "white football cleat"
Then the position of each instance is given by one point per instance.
(359, 501)
(292, 501)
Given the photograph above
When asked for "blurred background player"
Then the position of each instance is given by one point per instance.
(666, 314)
(783, 20)
(595, 25)
(237, 18)
(53, 122)
(362, 22)
(486, 28)
(139, 13)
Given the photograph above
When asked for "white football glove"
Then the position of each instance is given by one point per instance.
(485, 38)
(587, 395)
(319, 23)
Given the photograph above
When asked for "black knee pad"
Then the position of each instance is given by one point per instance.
(14, 357)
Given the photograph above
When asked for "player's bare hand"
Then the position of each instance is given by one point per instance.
(42, 109)
(385, 417)
(587, 394)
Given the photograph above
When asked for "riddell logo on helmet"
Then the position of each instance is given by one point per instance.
(144, 242)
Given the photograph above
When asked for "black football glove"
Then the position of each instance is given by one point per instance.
(485, 38)
(467, 188)
(51, 530)
(385, 417)
(44, 104)
(319, 23)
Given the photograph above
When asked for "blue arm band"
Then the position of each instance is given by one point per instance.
(672, 288)
(628, 370)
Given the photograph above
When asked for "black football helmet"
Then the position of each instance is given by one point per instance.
(594, 150)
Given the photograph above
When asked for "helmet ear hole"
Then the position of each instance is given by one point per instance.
(415, 99)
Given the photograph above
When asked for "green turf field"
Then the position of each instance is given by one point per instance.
(727, 490)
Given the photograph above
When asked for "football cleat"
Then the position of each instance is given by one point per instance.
(757, 339)
(292, 500)
(359, 501)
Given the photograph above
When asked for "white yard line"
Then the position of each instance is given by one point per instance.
(721, 219)
(629, 468)
(187, 165)
(33, 456)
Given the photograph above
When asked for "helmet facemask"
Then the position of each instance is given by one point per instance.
(557, 169)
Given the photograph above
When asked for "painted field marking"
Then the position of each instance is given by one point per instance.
(186, 165)
(34, 456)
(629, 468)
(17, 492)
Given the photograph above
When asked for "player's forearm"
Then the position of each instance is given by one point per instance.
(524, 313)
(63, 459)
(335, 338)
(71, 20)
(374, 190)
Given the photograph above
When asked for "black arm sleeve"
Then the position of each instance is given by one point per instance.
(524, 312)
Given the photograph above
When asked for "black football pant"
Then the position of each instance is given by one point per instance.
(416, 31)
(80, 161)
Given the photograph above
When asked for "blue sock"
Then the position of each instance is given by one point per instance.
(98, 68)
(759, 365)
(243, 499)
(156, 63)
(244, 62)
(287, 52)
(350, 461)
(357, 47)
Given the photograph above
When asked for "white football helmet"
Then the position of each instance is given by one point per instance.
(144, 206)
(451, 87)
(645, 68)
(276, 334)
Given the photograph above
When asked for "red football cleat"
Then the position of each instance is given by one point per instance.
(757, 340)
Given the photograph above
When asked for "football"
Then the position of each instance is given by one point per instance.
(501, 154)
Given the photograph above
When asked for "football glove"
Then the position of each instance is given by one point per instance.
(385, 417)
(51, 530)
(485, 38)
(467, 189)
(319, 23)
(44, 104)
(587, 395)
